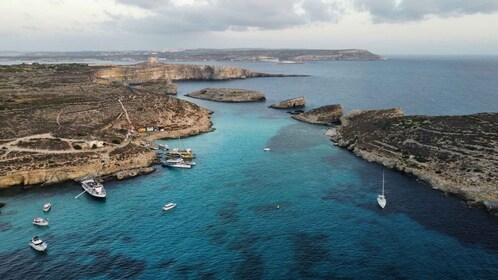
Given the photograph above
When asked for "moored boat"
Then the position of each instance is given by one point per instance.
(178, 163)
(47, 206)
(40, 222)
(94, 188)
(38, 244)
(267, 149)
(169, 206)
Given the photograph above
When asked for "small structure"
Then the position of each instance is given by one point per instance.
(152, 60)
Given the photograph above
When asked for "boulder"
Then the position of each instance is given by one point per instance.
(297, 102)
(234, 95)
(328, 114)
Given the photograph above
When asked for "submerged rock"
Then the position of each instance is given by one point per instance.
(297, 102)
(228, 95)
(329, 114)
(2, 204)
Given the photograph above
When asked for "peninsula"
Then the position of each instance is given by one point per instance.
(454, 154)
(66, 121)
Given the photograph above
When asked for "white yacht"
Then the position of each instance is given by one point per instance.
(38, 244)
(177, 162)
(94, 188)
(267, 149)
(381, 198)
(47, 206)
(40, 222)
(169, 206)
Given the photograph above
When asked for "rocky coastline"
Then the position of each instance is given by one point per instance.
(65, 122)
(454, 154)
(230, 95)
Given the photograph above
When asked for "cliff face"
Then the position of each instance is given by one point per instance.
(297, 102)
(328, 114)
(456, 154)
(57, 124)
(234, 95)
(174, 72)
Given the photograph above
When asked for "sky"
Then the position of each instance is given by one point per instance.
(386, 27)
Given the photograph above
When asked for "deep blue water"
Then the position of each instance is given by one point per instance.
(305, 210)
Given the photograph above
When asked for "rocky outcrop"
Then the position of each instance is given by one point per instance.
(329, 114)
(234, 95)
(131, 173)
(297, 102)
(2, 204)
(454, 154)
(158, 86)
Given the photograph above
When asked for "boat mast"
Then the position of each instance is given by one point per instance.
(382, 183)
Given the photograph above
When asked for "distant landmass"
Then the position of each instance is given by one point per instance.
(263, 55)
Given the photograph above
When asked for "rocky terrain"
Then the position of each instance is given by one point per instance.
(326, 115)
(292, 103)
(232, 95)
(274, 55)
(67, 121)
(455, 154)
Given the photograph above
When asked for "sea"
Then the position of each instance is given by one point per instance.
(304, 210)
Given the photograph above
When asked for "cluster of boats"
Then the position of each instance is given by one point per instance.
(179, 158)
(36, 242)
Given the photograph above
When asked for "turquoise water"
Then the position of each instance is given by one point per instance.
(305, 210)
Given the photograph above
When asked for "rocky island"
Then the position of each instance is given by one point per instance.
(326, 115)
(67, 121)
(232, 95)
(454, 154)
(292, 103)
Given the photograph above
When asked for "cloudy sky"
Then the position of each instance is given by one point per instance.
(381, 26)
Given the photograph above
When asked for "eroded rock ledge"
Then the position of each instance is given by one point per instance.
(326, 115)
(292, 103)
(233, 95)
(455, 154)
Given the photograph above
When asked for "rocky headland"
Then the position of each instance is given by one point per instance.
(292, 103)
(326, 115)
(68, 121)
(231, 95)
(454, 154)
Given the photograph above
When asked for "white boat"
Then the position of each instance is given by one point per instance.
(163, 147)
(169, 206)
(381, 198)
(267, 149)
(177, 163)
(94, 188)
(38, 244)
(40, 222)
(47, 206)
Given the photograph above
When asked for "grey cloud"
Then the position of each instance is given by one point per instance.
(416, 10)
(224, 15)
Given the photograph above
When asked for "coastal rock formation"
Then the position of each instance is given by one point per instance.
(157, 86)
(329, 114)
(297, 102)
(455, 154)
(234, 95)
(61, 122)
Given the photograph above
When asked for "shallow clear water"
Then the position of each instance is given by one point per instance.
(306, 209)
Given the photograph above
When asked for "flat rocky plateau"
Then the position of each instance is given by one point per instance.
(232, 95)
(455, 154)
(67, 121)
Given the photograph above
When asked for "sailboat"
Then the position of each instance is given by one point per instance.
(381, 198)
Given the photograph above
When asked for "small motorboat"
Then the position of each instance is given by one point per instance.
(381, 198)
(267, 149)
(38, 244)
(47, 206)
(163, 147)
(40, 222)
(169, 206)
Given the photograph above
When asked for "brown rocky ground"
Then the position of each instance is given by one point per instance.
(232, 95)
(326, 115)
(456, 154)
(68, 121)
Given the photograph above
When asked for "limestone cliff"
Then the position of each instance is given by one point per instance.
(329, 114)
(234, 95)
(455, 154)
(297, 102)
